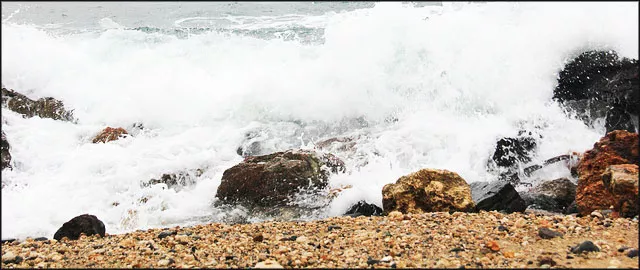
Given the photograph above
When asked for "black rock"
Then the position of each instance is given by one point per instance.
(87, 224)
(456, 249)
(164, 234)
(497, 195)
(632, 253)
(333, 227)
(16, 260)
(597, 84)
(10, 240)
(546, 233)
(363, 208)
(622, 249)
(586, 246)
(41, 239)
(503, 228)
(509, 151)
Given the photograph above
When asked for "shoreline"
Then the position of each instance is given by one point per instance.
(429, 240)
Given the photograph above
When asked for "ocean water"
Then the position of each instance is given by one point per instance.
(428, 85)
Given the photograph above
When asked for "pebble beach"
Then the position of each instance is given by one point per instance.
(429, 240)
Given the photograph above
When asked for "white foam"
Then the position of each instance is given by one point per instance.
(457, 81)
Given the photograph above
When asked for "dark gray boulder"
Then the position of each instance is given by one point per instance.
(87, 224)
(497, 195)
(554, 196)
(362, 208)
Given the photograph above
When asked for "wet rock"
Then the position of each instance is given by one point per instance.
(4, 151)
(428, 190)
(40, 239)
(87, 224)
(177, 180)
(617, 147)
(336, 144)
(275, 179)
(362, 208)
(597, 84)
(5, 241)
(554, 196)
(110, 134)
(47, 107)
(586, 246)
(165, 234)
(510, 151)
(497, 195)
(622, 182)
(546, 233)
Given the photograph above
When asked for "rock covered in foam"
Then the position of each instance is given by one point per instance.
(46, 107)
(4, 148)
(109, 134)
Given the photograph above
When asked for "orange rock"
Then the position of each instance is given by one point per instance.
(617, 147)
(508, 254)
(493, 246)
(109, 134)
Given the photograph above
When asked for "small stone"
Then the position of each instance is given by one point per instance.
(302, 239)
(163, 262)
(546, 233)
(41, 239)
(9, 256)
(333, 227)
(586, 246)
(258, 238)
(268, 264)
(632, 253)
(596, 213)
(166, 233)
(508, 254)
(182, 239)
(623, 248)
(493, 246)
(386, 259)
(396, 215)
(503, 228)
(546, 260)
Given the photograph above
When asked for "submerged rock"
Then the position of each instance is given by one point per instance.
(598, 84)
(428, 190)
(622, 182)
(276, 179)
(109, 134)
(555, 196)
(497, 195)
(4, 149)
(176, 180)
(617, 147)
(46, 107)
(87, 224)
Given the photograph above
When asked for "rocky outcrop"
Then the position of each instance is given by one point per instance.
(46, 107)
(276, 179)
(617, 147)
(510, 154)
(598, 84)
(622, 182)
(554, 196)
(4, 149)
(428, 190)
(362, 208)
(109, 134)
(87, 224)
(497, 195)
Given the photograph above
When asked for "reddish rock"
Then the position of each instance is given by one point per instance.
(622, 182)
(275, 179)
(109, 134)
(617, 147)
(428, 190)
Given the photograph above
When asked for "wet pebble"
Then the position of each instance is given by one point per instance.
(546, 233)
(586, 246)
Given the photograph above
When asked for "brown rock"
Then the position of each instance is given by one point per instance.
(428, 190)
(275, 179)
(617, 147)
(47, 107)
(622, 182)
(109, 134)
